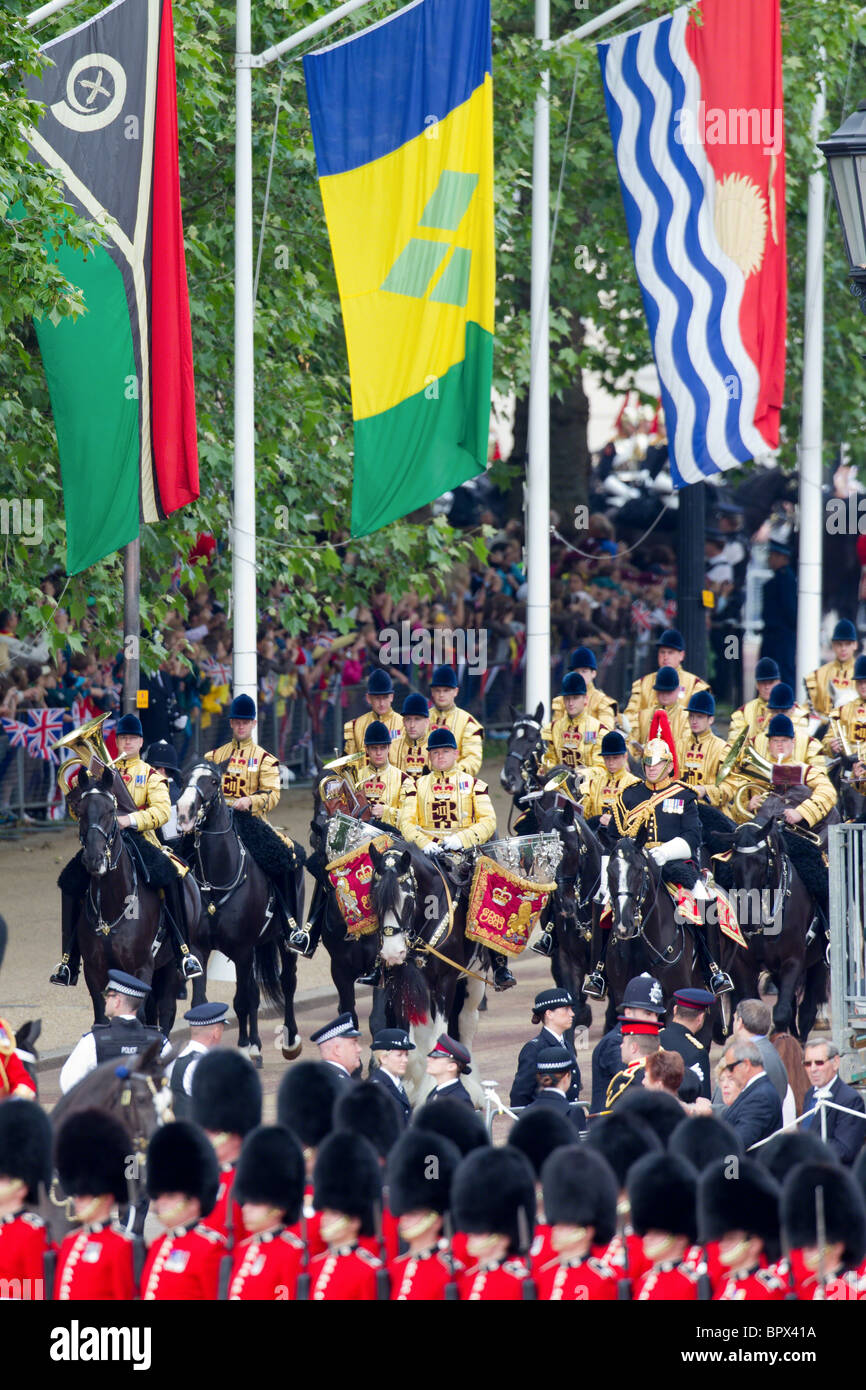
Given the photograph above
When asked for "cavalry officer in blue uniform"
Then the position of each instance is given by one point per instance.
(124, 1035)
(554, 1010)
(663, 814)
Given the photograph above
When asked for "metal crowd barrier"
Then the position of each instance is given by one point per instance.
(847, 853)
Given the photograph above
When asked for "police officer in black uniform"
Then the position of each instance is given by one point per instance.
(554, 1010)
(206, 1027)
(450, 1061)
(393, 1046)
(124, 1035)
(689, 1012)
(643, 999)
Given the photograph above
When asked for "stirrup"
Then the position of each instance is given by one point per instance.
(299, 941)
(61, 975)
(190, 966)
(595, 985)
(544, 945)
(720, 981)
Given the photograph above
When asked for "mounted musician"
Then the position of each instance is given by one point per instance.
(450, 810)
(834, 676)
(701, 754)
(606, 786)
(380, 781)
(445, 713)
(820, 798)
(408, 750)
(251, 782)
(574, 738)
(380, 698)
(846, 735)
(148, 796)
(666, 692)
(671, 654)
(663, 812)
(598, 704)
(754, 714)
(806, 748)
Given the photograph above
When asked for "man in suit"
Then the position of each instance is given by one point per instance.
(339, 1047)
(446, 1063)
(554, 1010)
(392, 1047)
(754, 1109)
(845, 1133)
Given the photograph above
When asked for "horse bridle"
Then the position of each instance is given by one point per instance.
(783, 887)
(198, 829)
(645, 879)
(109, 839)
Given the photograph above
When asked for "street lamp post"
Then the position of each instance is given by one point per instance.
(845, 152)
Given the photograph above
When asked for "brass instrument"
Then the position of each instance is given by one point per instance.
(732, 757)
(758, 770)
(837, 732)
(89, 748)
(337, 788)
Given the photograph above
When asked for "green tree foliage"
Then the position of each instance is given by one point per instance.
(303, 413)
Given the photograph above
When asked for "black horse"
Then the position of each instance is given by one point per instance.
(136, 1092)
(419, 904)
(646, 931)
(351, 956)
(776, 912)
(520, 771)
(572, 910)
(122, 916)
(242, 918)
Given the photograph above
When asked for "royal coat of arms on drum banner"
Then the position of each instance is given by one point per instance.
(504, 905)
(351, 872)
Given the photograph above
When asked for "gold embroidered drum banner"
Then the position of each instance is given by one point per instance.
(503, 907)
(350, 877)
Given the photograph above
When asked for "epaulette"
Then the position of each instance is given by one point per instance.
(769, 1279)
(696, 1042)
(207, 1233)
(32, 1218)
(266, 756)
(598, 1267)
(515, 1267)
(368, 1259)
(289, 1238)
(481, 786)
(119, 1230)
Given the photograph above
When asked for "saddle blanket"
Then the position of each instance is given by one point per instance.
(687, 906)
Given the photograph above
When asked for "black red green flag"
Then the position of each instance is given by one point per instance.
(121, 375)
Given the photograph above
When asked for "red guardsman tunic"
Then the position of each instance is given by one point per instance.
(494, 1283)
(576, 1281)
(266, 1267)
(424, 1277)
(24, 1242)
(184, 1266)
(96, 1263)
(345, 1274)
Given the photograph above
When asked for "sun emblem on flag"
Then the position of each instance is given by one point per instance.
(741, 222)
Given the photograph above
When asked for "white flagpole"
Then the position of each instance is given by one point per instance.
(244, 512)
(538, 439)
(45, 10)
(812, 422)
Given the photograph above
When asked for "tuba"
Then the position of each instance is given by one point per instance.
(759, 771)
(88, 747)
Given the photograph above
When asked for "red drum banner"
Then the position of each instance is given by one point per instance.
(350, 877)
(504, 908)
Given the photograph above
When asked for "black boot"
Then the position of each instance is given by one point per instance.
(304, 940)
(502, 976)
(718, 980)
(188, 964)
(67, 970)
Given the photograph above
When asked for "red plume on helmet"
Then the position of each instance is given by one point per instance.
(660, 727)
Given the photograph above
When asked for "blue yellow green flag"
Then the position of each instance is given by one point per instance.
(402, 118)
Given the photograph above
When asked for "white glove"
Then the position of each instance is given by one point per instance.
(433, 848)
(452, 842)
(674, 849)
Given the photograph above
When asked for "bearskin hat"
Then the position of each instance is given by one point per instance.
(844, 1209)
(701, 1139)
(415, 1181)
(494, 1193)
(745, 1198)
(662, 1191)
(456, 1122)
(180, 1158)
(368, 1109)
(538, 1132)
(271, 1170)
(25, 1145)
(580, 1189)
(226, 1093)
(91, 1152)
(622, 1139)
(348, 1178)
(786, 1150)
(305, 1101)
(659, 1110)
